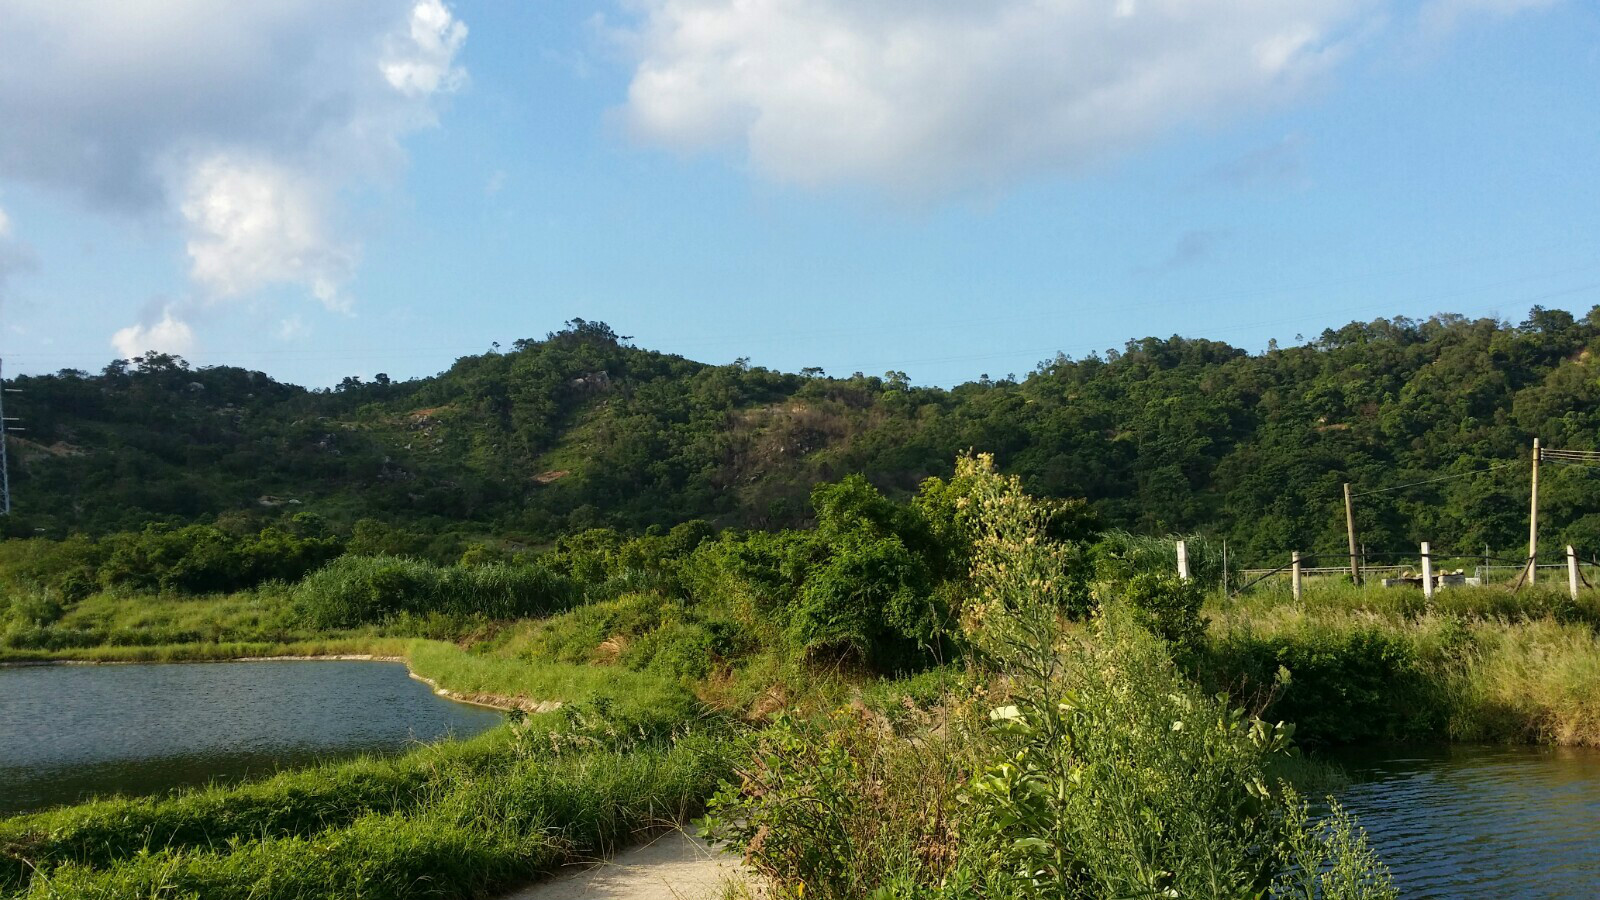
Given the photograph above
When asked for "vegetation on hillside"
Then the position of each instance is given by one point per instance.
(583, 430)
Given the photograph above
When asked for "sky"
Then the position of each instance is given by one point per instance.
(950, 189)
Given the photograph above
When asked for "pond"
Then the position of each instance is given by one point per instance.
(1482, 822)
(71, 732)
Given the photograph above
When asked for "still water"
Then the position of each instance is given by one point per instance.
(1482, 822)
(70, 732)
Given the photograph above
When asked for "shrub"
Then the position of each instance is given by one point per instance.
(1165, 605)
(1341, 685)
(869, 600)
(206, 559)
(846, 806)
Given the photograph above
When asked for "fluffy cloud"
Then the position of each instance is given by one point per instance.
(924, 97)
(252, 224)
(423, 63)
(167, 335)
(239, 121)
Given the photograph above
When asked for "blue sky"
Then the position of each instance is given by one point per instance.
(941, 188)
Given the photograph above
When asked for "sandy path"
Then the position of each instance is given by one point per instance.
(674, 866)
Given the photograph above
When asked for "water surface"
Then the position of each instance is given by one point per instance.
(1508, 823)
(71, 732)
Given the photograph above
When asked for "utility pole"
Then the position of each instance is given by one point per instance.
(1427, 571)
(1350, 530)
(5, 462)
(1533, 516)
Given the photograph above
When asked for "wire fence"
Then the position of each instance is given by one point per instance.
(1469, 569)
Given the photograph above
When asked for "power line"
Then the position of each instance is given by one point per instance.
(1439, 478)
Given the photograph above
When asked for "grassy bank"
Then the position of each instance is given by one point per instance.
(213, 652)
(38, 621)
(449, 821)
(1473, 665)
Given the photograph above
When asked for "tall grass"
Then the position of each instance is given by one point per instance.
(1121, 554)
(464, 822)
(1540, 601)
(203, 652)
(301, 802)
(1361, 668)
(141, 619)
(362, 590)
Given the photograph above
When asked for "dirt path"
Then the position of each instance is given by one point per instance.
(674, 866)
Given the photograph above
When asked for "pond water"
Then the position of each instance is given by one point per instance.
(1482, 822)
(71, 732)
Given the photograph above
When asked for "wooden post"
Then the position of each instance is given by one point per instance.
(1294, 578)
(1183, 561)
(1533, 516)
(1350, 530)
(1427, 572)
(1224, 565)
(1572, 571)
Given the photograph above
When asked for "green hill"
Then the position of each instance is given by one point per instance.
(583, 429)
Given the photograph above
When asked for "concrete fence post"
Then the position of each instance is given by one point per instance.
(1572, 571)
(1427, 572)
(1183, 561)
(1294, 577)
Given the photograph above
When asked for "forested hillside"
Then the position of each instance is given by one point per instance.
(583, 429)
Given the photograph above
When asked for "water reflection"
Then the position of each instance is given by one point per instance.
(1483, 822)
(70, 732)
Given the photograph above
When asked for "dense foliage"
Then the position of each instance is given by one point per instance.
(582, 430)
(1099, 769)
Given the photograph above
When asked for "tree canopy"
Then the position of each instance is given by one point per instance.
(582, 429)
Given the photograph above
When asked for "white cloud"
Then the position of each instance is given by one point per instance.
(239, 121)
(169, 335)
(928, 96)
(423, 63)
(252, 224)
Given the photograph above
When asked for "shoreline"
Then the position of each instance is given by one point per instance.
(500, 702)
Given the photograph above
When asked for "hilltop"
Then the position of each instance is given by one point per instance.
(583, 429)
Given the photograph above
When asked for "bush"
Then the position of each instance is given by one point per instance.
(864, 588)
(205, 559)
(1338, 686)
(1166, 606)
(846, 806)
(869, 601)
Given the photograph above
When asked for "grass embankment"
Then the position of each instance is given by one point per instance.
(1472, 665)
(38, 626)
(454, 820)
